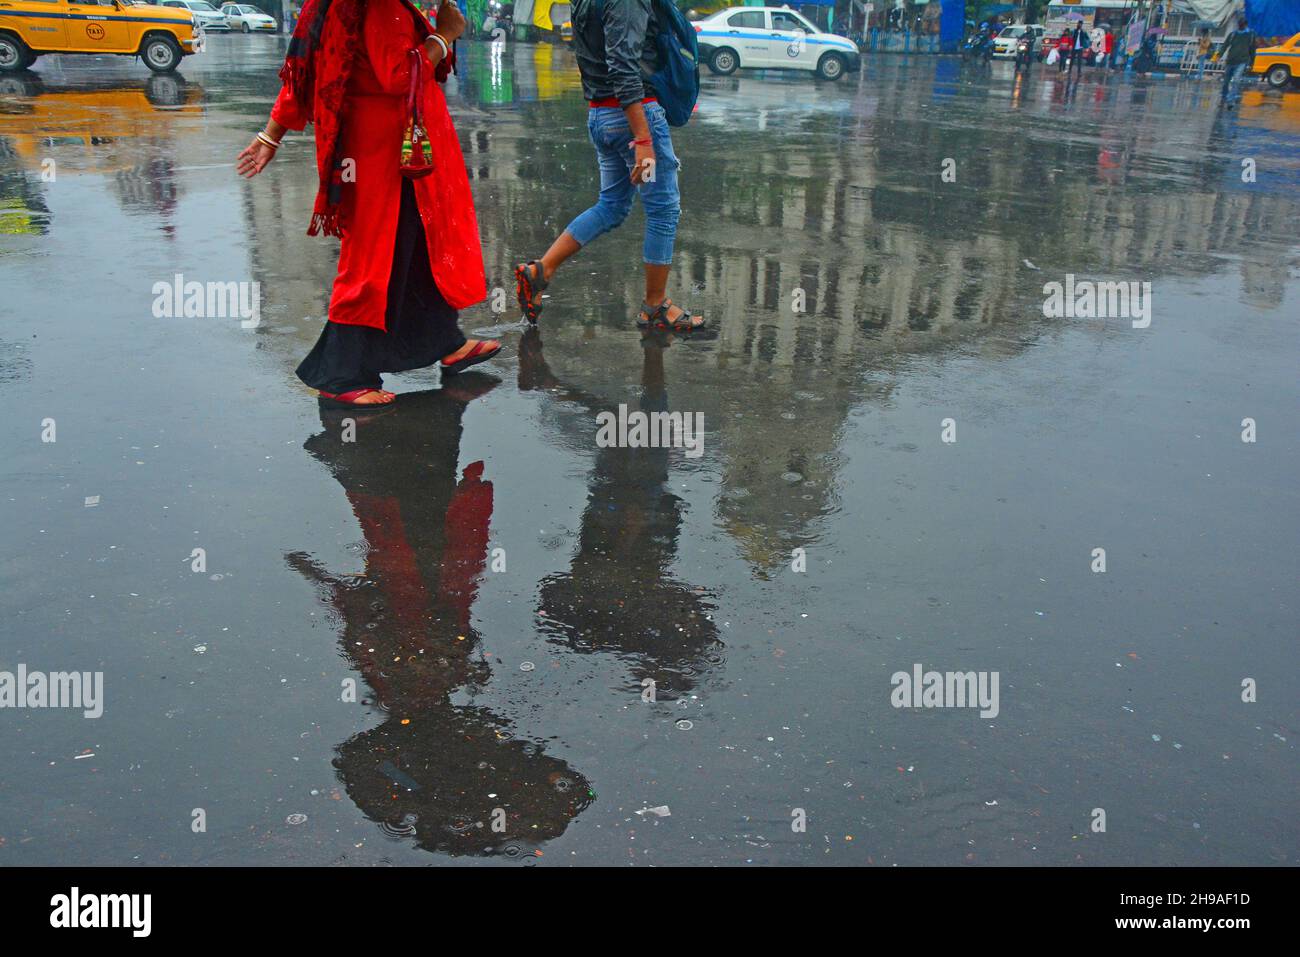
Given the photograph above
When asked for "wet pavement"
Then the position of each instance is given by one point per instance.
(503, 593)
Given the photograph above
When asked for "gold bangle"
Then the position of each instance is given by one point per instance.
(442, 42)
(266, 140)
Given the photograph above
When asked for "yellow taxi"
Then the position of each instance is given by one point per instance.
(158, 35)
(1279, 64)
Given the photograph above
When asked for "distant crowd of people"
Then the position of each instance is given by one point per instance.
(1077, 46)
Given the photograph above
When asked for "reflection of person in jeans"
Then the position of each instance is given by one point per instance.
(615, 45)
(1237, 53)
(622, 595)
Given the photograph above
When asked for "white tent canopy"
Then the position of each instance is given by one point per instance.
(1215, 11)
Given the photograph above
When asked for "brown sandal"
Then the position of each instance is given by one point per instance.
(656, 317)
(530, 282)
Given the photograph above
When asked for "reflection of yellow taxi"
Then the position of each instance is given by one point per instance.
(1278, 64)
(96, 130)
(32, 28)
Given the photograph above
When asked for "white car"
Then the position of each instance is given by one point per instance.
(772, 38)
(205, 14)
(1004, 45)
(249, 19)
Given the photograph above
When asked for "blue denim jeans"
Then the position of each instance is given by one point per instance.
(1232, 82)
(610, 134)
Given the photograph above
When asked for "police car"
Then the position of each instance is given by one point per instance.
(772, 38)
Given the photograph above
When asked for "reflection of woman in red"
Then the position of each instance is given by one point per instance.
(452, 775)
(410, 254)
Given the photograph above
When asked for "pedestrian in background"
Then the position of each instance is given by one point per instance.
(1079, 44)
(1203, 47)
(1236, 53)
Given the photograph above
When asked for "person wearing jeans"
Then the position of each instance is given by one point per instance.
(1237, 53)
(1204, 46)
(611, 135)
(615, 43)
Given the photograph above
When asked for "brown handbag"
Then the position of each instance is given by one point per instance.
(417, 151)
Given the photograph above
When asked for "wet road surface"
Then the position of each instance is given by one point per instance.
(503, 594)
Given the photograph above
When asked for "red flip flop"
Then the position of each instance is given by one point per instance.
(481, 352)
(348, 400)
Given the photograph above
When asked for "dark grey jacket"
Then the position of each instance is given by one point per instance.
(614, 41)
(1238, 47)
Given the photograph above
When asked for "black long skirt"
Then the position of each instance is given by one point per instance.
(421, 327)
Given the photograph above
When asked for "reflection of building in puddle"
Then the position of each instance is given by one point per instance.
(847, 209)
(22, 206)
(130, 134)
(1262, 285)
(277, 208)
(619, 595)
(442, 773)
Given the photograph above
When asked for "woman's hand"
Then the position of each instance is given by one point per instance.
(451, 22)
(254, 159)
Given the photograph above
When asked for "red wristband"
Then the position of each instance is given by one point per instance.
(642, 143)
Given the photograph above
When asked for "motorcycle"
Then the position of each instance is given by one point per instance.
(978, 46)
(1024, 54)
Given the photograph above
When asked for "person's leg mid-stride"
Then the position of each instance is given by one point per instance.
(634, 150)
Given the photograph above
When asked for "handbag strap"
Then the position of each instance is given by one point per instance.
(413, 95)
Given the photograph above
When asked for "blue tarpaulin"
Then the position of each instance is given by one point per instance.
(1274, 18)
(952, 24)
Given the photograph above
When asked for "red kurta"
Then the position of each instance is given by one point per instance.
(374, 121)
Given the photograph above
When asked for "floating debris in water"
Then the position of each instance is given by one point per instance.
(526, 666)
(685, 724)
(660, 811)
(296, 818)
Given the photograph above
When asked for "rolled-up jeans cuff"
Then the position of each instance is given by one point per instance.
(585, 228)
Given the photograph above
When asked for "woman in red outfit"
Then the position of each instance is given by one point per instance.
(410, 252)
